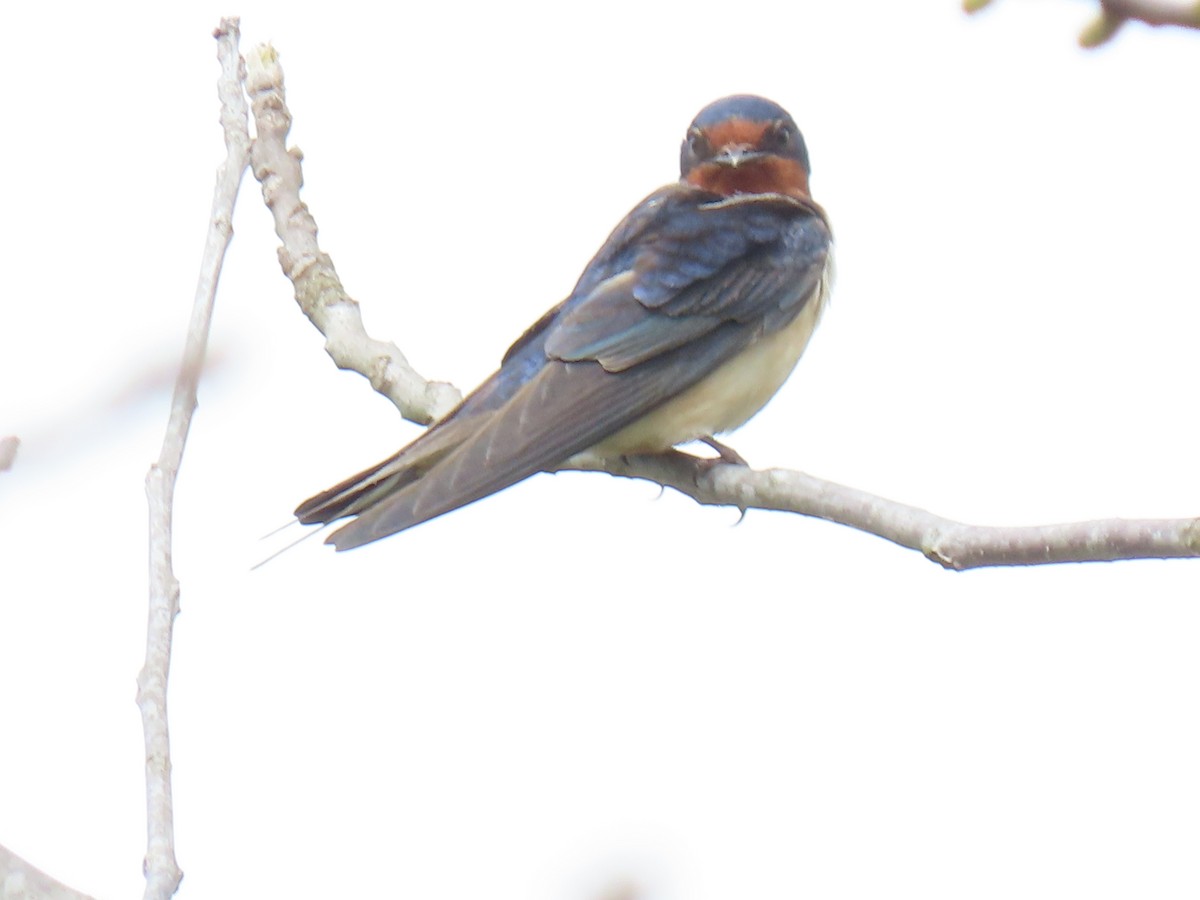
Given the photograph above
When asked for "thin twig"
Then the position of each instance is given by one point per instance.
(318, 289)
(162, 871)
(951, 544)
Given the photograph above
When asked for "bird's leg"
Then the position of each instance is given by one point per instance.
(725, 454)
(702, 465)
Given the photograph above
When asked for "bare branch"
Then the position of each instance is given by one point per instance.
(318, 289)
(162, 871)
(951, 544)
(19, 879)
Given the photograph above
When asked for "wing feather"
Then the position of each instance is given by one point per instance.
(685, 283)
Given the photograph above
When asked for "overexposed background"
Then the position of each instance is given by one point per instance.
(575, 685)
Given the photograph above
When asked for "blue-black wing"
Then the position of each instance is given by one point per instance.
(685, 283)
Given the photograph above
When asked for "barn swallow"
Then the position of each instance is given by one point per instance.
(683, 325)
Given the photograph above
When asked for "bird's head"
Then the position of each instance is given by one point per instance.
(745, 145)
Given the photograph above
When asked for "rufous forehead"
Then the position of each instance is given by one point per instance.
(736, 131)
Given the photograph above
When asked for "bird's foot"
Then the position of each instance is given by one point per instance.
(703, 465)
(726, 454)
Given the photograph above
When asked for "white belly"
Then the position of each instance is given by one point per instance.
(728, 397)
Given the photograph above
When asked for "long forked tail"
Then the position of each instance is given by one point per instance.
(354, 494)
(365, 489)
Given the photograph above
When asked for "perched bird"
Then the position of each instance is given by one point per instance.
(683, 325)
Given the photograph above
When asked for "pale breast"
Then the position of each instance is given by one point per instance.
(728, 397)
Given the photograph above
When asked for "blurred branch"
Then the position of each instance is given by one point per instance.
(950, 544)
(162, 871)
(1153, 12)
(318, 289)
(106, 410)
(18, 879)
(8, 451)
(1115, 13)
(1100, 30)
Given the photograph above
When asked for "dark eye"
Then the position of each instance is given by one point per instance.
(697, 142)
(779, 137)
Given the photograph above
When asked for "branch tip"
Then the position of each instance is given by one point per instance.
(1100, 30)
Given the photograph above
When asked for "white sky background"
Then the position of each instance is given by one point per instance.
(573, 684)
